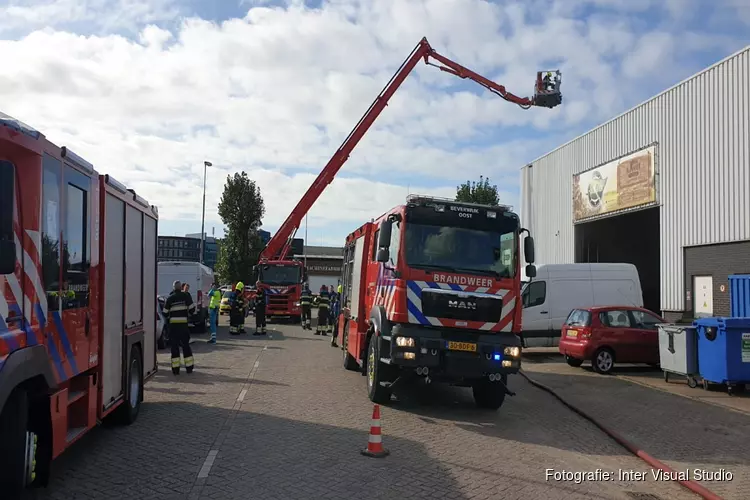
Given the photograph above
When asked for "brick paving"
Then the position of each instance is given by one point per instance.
(302, 421)
(681, 432)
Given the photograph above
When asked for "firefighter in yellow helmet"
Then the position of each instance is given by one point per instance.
(237, 309)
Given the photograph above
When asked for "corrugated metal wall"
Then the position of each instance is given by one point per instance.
(702, 131)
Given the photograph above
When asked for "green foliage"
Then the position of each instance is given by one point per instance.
(481, 192)
(241, 210)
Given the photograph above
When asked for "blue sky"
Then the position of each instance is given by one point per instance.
(149, 89)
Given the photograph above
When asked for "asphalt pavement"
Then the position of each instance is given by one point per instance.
(280, 418)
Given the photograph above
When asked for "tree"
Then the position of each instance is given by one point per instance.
(241, 210)
(481, 192)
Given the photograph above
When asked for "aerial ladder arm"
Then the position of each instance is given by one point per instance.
(546, 94)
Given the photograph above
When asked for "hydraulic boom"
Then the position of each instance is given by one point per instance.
(546, 94)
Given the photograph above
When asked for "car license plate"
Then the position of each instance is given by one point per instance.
(572, 333)
(462, 346)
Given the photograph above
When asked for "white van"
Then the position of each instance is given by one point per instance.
(199, 277)
(560, 288)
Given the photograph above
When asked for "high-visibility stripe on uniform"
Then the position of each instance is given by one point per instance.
(189, 361)
(177, 321)
(175, 362)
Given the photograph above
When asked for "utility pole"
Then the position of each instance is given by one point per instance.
(206, 164)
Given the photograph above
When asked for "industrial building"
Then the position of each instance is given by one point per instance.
(664, 186)
(323, 265)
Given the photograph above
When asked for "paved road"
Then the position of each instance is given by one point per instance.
(279, 418)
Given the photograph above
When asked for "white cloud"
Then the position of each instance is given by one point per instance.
(276, 92)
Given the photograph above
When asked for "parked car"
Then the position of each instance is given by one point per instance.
(224, 306)
(608, 334)
(560, 288)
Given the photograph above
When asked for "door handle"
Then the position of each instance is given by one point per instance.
(87, 325)
(543, 312)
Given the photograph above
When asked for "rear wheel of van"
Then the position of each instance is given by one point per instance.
(604, 360)
(489, 395)
(574, 362)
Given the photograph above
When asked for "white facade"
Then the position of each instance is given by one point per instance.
(701, 132)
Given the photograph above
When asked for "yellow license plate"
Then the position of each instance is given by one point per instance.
(572, 333)
(462, 346)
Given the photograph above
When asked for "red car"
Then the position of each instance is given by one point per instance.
(603, 335)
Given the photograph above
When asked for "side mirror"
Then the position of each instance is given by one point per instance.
(383, 255)
(7, 257)
(528, 249)
(384, 239)
(530, 271)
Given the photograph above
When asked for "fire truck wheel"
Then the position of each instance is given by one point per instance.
(489, 395)
(349, 362)
(19, 446)
(376, 392)
(128, 411)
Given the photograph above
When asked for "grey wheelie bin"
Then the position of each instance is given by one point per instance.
(678, 352)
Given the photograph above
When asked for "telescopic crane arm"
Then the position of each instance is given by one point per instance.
(546, 94)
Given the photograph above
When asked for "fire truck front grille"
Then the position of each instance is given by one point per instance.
(278, 301)
(442, 304)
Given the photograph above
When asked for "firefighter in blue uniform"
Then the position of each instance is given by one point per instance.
(178, 307)
(323, 306)
(335, 309)
(305, 301)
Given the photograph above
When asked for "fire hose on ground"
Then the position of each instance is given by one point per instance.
(693, 486)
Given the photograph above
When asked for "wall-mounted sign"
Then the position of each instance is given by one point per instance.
(624, 183)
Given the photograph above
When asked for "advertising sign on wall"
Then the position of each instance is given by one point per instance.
(628, 182)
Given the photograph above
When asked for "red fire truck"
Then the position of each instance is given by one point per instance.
(444, 305)
(431, 289)
(77, 302)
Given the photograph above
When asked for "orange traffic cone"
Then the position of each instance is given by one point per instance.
(375, 441)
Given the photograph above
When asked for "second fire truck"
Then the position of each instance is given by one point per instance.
(77, 302)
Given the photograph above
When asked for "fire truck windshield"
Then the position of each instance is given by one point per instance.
(461, 250)
(279, 275)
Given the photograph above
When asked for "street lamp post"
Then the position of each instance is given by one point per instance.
(206, 164)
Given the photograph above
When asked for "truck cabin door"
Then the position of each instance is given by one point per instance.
(75, 327)
(12, 316)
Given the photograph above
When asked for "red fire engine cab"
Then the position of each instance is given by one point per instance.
(77, 302)
(431, 289)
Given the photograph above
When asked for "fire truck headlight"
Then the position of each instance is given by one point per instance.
(513, 352)
(405, 342)
(491, 215)
(296, 304)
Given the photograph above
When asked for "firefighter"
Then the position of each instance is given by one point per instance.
(237, 309)
(323, 303)
(305, 300)
(261, 300)
(334, 326)
(178, 307)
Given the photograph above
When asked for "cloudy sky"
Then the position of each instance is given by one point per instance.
(149, 89)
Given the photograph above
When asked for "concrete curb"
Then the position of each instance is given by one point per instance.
(693, 486)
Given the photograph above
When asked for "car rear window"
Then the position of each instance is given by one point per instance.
(579, 317)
